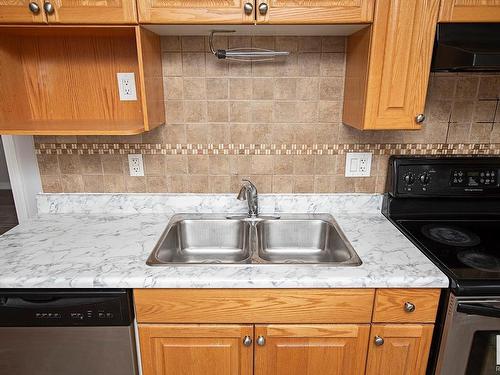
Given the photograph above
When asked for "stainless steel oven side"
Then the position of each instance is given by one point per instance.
(465, 317)
(68, 350)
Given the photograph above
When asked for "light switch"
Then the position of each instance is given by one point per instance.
(358, 164)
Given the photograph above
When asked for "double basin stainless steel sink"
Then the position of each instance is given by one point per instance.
(215, 239)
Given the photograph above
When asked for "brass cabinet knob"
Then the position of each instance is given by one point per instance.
(34, 8)
(379, 340)
(409, 307)
(247, 341)
(420, 118)
(48, 8)
(261, 341)
(263, 8)
(248, 8)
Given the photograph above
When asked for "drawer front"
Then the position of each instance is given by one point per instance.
(406, 305)
(254, 305)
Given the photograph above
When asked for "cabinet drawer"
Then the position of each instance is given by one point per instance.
(406, 305)
(254, 305)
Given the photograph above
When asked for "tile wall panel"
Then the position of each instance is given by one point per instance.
(278, 123)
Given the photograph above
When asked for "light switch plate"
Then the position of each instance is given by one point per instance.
(358, 164)
(126, 86)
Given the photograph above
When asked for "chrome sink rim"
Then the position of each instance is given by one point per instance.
(253, 223)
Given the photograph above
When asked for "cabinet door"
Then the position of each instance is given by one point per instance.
(196, 11)
(19, 11)
(311, 349)
(195, 349)
(399, 63)
(399, 349)
(93, 12)
(470, 11)
(314, 11)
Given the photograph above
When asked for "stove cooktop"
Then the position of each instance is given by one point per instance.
(467, 249)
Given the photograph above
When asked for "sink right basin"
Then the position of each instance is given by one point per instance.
(304, 239)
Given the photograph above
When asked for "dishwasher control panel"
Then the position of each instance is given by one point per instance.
(66, 309)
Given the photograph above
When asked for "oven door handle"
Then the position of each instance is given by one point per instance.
(478, 309)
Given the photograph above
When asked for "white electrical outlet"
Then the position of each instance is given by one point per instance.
(126, 86)
(135, 165)
(358, 164)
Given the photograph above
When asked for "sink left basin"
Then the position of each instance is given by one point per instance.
(192, 239)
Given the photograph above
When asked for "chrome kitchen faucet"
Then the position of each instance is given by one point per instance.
(249, 193)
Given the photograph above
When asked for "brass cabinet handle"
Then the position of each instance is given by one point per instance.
(247, 341)
(34, 7)
(263, 8)
(48, 8)
(379, 340)
(248, 8)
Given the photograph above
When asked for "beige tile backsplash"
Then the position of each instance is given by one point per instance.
(295, 101)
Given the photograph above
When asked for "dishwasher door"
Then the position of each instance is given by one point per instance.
(106, 350)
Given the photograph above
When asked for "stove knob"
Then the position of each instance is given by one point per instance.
(409, 178)
(425, 178)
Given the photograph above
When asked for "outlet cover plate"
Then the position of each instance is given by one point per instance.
(135, 165)
(126, 86)
(358, 164)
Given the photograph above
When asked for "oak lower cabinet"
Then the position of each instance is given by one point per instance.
(388, 66)
(196, 349)
(400, 349)
(311, 349)
(469, 11)
(314, 11)
(285, 331)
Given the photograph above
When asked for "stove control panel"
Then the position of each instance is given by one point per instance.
(473, 178)
(448, 176)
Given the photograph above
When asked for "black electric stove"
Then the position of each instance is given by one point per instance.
(450, 208)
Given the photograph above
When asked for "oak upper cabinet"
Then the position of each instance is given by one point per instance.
(388, 66)
(399, 349)
(196, 349)
(311, 349)
(314, 11)
(79, 92)
(196, 11)
(90, 12)
(22, 11)
(469, 11)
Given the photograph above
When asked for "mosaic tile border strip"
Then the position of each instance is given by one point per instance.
(266, 149)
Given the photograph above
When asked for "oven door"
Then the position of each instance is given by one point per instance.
(470, 344)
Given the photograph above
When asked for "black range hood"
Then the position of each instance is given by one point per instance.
(467, 47)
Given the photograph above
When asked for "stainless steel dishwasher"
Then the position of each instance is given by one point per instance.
(70, 332)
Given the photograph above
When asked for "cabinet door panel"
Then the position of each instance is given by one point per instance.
(94, 12)
(404, 352)
(470, 11)
(194, 11)
(316, 11)
(311, 349)
(17, 11)
(401, 51)
(195, 349)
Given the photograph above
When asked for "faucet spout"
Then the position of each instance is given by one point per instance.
(249, 193)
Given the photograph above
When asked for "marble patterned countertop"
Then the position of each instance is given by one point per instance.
(103, 241)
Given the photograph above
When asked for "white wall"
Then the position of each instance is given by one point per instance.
(24, 174)
(4, 173)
